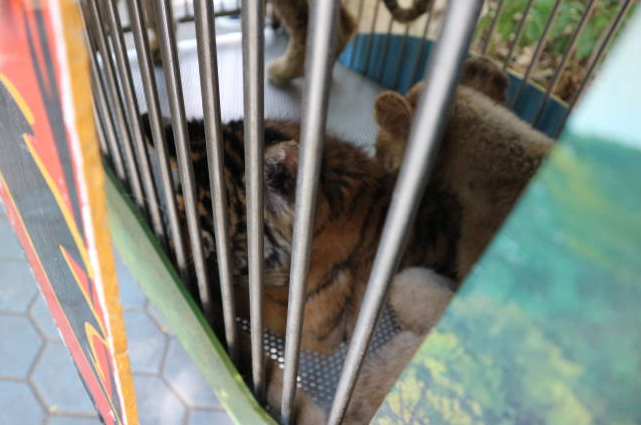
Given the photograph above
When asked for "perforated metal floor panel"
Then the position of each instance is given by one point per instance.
(318, 374)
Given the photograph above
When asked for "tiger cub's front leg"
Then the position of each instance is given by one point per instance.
(294, 14)
(274, 306)
(323, 329)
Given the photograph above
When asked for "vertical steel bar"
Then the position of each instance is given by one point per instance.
(354, 43)
(424, 38)
(208, 64)
(518, 34)
(98, 122)
(370, 41)
(537, 53)
(112, 83)
(495, 21)
(148, 77)
(253, 16)
(131, 107)
(320, 52)
(96, 84)
(382, 59)
(442, 77)
(169, 54)
(400, 57)
(569, 50)
(603, 47)
(110, 131)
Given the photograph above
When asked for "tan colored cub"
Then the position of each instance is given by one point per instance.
(487, 154)
(486, 158)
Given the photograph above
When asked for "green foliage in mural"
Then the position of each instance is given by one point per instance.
(546, 328)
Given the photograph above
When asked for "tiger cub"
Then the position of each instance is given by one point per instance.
(354, 194)
(487, 157)
(352, 200)
(487, 154)
(294, 15)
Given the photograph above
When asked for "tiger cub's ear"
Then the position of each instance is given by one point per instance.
(281, 168)
(393, 113)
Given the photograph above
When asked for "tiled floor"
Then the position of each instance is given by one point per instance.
(38, 382)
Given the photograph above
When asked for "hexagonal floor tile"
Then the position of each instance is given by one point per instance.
(19, 345)
(208, 417)
(157, 404)
(158, 318)
(43, 319)
(186, 378)
(18, 401)
(57, 381)
(145, 341)
(73, 420)
(17, 286)
(131, 297)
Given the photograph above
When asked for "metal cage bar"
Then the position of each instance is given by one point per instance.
(148, 77)
(569, 50)
(103, 106)
(401, 54)
(424, 37)
(356, 46)
(112, 83)
(169, 54)
(319, 60)
(253, 41)
(131, 107)
(382, 60)
(537, 53)
(490, 32)
(444, 67)
(104, 150)
(603, 47)
(518, 35)
(208, 70)
(370, 40)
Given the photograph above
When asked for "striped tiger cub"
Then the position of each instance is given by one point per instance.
(486, 158)
(353, 197)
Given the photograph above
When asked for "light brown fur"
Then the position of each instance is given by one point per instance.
(294, 15)
(487, 154)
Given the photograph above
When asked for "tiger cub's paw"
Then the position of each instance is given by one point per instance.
(285, 69)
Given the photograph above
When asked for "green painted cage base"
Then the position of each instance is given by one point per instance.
(158, 279)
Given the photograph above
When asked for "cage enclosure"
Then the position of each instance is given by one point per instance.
(213, 65)
(198, 220)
